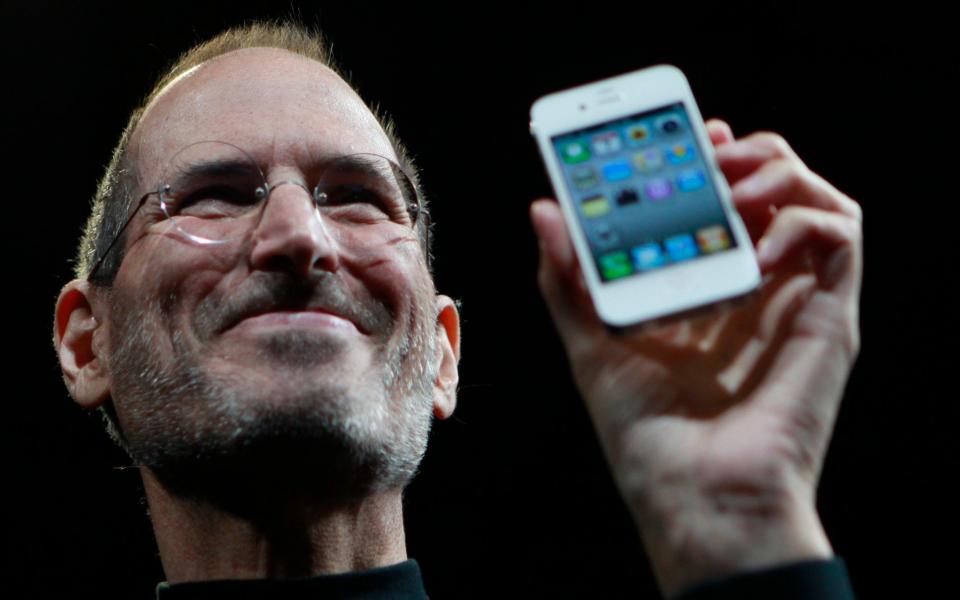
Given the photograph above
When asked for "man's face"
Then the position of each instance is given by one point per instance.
(300, 344)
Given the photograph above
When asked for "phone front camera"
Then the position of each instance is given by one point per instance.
(583, 107)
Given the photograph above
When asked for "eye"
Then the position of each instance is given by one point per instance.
(217, 200)
(351, 194)
(354, 201)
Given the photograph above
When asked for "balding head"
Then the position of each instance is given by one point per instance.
(116, 192)
(283, 108)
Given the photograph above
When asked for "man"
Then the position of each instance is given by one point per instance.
(255, 315)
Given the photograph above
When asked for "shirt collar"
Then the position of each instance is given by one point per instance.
(402, 581)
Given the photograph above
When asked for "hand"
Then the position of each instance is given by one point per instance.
(716, 427)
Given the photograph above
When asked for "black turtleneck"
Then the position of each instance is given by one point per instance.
(396, 582)
(807, 580)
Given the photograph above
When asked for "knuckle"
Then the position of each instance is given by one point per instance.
(837, 200)
(852, 231)
(793, 215)
(776, 143)
(856, 211)
(796, 176)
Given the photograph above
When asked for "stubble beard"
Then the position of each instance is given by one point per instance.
(277, 434)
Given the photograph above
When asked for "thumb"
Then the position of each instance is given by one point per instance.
(560, 278)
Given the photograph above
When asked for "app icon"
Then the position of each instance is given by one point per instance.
(615, 264)
(574, 152)
(658, 189)
(680, 153)
(604, 235)
(649, 160)
(647, 256)
(585, 177)
(618, 170)
(595, 206)
(607, 142)
(669, 124)
(713, 239)
(628, 196)
(690, 180)
(637, 134)
(681, 247)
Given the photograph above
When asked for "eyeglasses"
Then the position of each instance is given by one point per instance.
(215, 193)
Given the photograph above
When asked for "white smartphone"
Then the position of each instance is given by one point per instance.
(648, 209)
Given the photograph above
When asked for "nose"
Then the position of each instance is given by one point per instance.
(291, 235)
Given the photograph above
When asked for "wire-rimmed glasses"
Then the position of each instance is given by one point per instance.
(214, 193)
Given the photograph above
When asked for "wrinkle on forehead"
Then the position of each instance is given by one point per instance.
(265, 100)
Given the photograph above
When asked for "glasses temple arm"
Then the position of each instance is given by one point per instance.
(113, 243)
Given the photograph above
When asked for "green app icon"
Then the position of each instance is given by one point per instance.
(574, 152)
(595, 206)
(615, 265)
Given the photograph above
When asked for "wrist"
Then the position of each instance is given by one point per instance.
(718, 539)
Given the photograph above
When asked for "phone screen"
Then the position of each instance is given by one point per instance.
(643, 192)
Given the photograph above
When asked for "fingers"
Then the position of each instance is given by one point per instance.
(798, 219)
(764, 162)
(744, 156)
(832, 240)
(560, 278)
(719, 131)
(779, 182)
(767, 175)
(762, 168)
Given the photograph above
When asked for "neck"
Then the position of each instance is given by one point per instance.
(200, 540)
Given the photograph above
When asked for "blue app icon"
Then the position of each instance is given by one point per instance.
(680, 153)
(617, 170)
(647, 256)
(681, 247)
(690, 180)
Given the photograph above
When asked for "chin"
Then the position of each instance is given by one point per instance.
(299, 349)
(323, 441)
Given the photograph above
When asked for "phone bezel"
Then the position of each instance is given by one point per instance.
(681, 287)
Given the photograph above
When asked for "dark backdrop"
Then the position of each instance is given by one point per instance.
(514, 486)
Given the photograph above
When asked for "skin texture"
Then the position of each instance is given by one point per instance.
(716, 427)
(277, 391)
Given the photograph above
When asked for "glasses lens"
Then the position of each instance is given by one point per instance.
(366, 187)
(212, 191)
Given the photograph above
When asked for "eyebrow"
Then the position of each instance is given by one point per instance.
(355, 163)
(360, 163)
(363, 163)
(217, 168)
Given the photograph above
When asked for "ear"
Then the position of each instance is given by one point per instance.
(448, 355)
(79, 337)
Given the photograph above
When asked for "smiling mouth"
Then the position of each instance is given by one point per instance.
(299, 319)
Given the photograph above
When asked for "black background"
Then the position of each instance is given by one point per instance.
(514, 487)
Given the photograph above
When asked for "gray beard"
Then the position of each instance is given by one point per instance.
(248, 445)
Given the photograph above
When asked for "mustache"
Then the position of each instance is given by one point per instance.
(265, 292)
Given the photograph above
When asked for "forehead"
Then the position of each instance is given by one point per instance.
(282, 108)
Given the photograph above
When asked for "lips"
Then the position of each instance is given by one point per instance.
(283, 300)
(309, 318)
(278, 310)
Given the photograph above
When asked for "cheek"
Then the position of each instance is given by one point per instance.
(369, 247)
(388, 262)
(398, 278)
(166, 281)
